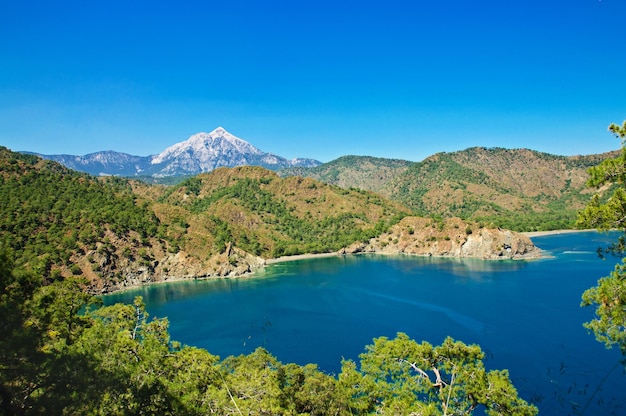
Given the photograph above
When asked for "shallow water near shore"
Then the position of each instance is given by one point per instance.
(524, 314)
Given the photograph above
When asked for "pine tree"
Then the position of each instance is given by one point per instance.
(609, 296)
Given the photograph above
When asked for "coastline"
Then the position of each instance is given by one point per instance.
(531, 234)
(307, 256)
(301, 257)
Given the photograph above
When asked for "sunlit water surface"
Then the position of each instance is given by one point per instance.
(524, 314)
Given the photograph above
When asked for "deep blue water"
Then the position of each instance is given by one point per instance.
(524, 314)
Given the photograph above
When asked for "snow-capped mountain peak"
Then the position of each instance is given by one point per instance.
(204, 146)
(202, 152)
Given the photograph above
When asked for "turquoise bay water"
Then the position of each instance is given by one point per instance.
(524, 314)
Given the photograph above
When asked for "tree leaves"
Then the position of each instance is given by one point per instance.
(609, 296)
(400, 376)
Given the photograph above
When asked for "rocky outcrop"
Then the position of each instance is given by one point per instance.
(120, 265)
(231, 263)
(449, 238)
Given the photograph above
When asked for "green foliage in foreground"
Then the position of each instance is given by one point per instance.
(609, 296)
(62, 353)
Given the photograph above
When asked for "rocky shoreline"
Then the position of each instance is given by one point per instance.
(449, 238)
(412, 236)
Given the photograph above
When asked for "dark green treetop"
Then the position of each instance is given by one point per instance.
(609, 296)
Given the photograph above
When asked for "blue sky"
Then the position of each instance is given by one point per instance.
(320, 79)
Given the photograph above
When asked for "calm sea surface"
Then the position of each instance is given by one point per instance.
(524, 314)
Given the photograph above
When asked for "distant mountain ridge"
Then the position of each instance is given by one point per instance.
(518, 189)
(364, 172)
(200, 153)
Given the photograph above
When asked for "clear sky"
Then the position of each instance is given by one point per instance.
(320, 79)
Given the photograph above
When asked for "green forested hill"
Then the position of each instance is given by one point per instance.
(363, 172)
(519, 189)
(270, 216)
(53, 218)
(62, 223)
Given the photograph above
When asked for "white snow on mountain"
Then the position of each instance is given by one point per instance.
(207, 146)
(200, 153)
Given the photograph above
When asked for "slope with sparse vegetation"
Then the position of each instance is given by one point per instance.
(517, 189)
(270, 217)
(363, 172)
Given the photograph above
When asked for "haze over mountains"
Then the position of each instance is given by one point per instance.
(200, 153)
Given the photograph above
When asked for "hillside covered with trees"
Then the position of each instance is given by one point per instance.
(363, 172)
(270, 216)
(517, 189)
(60, 223)
(115, 231)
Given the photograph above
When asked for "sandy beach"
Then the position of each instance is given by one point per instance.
(542, 233)
(301, 257)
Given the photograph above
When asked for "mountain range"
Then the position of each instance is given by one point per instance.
(518, 189)
(200, 153)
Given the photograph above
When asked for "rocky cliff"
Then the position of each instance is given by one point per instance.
(450, 237)
(108, 270)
